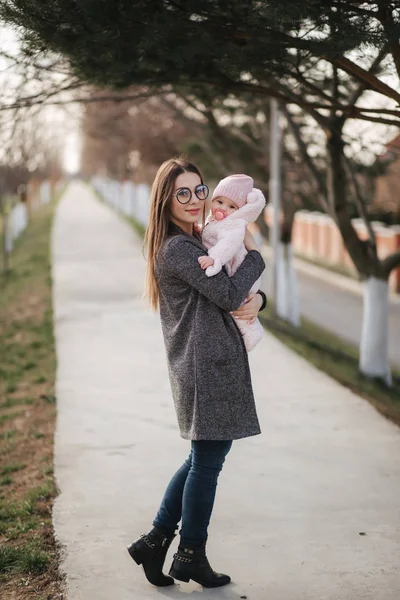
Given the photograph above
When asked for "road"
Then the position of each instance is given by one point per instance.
(340, 311)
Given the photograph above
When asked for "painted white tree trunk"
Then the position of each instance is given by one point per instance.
(287, 298)
(374, 359)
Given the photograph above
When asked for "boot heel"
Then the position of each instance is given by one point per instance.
(192, 564)
(179, 575)
(135, 555)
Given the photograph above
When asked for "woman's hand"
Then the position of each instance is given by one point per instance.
(250, 242)
(249, 310)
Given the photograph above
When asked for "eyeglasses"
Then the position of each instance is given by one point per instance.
(184, 195)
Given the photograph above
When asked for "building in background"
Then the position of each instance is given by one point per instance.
(387, 186)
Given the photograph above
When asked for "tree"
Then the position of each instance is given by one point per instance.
(266, 49)
(29, 148)
(339, 189)
(241, 45)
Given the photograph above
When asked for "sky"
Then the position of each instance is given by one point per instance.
(57, 121)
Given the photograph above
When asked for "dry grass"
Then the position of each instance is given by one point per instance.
(28, 552)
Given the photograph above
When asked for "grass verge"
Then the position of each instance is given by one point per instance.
(338, 359)
(28, 552)
(138, 227)
(334, 267)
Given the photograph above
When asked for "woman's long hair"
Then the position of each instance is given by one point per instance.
(159, 218)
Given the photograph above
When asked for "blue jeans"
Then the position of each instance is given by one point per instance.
(191, 492)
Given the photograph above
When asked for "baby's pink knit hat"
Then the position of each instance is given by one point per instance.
(234, 187)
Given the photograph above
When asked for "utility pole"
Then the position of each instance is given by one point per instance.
(275, 191)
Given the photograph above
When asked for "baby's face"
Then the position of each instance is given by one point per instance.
(223, 206)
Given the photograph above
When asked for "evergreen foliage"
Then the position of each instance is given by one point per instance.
(195, 42)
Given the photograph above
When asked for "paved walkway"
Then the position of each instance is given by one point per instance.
(307, 511)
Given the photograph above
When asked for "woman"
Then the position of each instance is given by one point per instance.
(208, 368)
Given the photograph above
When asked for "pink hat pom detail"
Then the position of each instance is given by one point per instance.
(234, 187)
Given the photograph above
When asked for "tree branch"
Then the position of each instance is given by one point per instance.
(364, 76)
(377, 120)
(33, 100)
(318, 177)
(362, 253)
(288, 97)
(354, 110)
(391, 262)
(199, 126)
(373, 68)
(298, 76)
(385, 16)
(296, 99)
(360, 202)
(192, 105)
(41, 97)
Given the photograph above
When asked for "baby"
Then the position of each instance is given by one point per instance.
(235, 203)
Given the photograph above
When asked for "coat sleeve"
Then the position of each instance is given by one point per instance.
(230, 240)
(181, 260)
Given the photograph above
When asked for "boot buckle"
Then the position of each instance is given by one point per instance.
(182, 559)
(147, 541)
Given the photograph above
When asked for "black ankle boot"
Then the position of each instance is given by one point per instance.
(191, 563)
(150, 551)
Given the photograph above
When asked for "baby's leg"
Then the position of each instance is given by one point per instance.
(252, 334)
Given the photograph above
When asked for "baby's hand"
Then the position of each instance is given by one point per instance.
(206, 261)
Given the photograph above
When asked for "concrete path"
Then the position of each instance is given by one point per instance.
(309, 510)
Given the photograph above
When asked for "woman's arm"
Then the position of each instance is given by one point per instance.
(249, 242)
(255, 303)
(181, 260)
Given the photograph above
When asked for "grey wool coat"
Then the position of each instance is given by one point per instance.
(207, 360)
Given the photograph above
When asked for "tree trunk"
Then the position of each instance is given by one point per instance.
(287, 307)
(362, 253)
(374, 338)
(374, 360)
